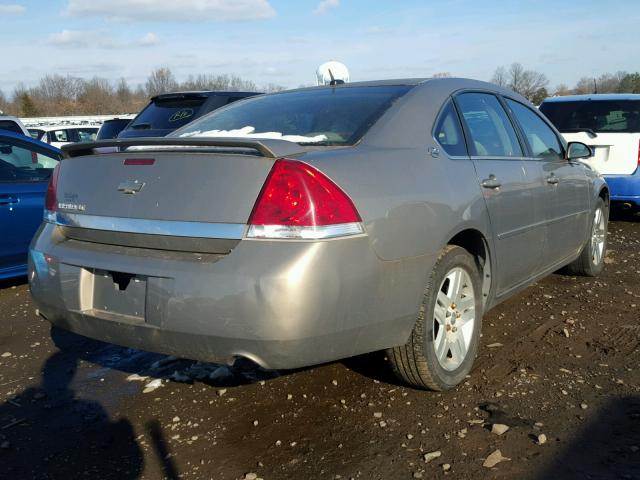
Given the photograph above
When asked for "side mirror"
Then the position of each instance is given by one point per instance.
(578, 150)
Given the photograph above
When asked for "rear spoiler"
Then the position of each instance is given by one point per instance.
(270, 148)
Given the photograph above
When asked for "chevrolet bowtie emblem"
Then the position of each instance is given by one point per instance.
(130, 187)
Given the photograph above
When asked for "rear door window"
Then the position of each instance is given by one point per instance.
(492, 134)
(59, 136)
(448, 132)
(542, 140)
(599, 116)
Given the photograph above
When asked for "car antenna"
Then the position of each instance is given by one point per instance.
(333, 81)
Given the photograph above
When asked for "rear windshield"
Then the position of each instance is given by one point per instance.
(10, 126)
(621, 116)
(168, 114)
(326, 116)
(111, 128)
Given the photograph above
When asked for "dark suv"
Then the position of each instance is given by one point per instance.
(170, 111)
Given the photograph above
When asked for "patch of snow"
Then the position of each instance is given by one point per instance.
(134, 377)
(250, 132)
(152, 385)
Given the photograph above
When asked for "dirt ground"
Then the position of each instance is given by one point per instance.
(560, 359)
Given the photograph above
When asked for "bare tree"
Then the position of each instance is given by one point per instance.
(528, 83)
(630, 83)
(160, 81)
(562, 90)
(500, 77)
(4, 103)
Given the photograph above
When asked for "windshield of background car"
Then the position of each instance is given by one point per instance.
(111, 129)
(325, 116)
(615, 116)
(167, 114)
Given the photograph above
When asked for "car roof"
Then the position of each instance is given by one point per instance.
(203, 93)
(445, 83)
(4, 135)
(594, 97)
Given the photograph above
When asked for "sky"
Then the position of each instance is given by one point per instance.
(284, 41)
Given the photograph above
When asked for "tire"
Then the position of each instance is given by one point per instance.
(417, 362)
(591, 260)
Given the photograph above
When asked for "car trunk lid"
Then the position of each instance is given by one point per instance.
(613, 153)
(186, 188)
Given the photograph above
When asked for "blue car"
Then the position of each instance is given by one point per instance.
(25, 168)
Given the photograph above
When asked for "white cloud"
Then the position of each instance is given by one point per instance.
(81, 39)
(325, 5)
(11, 9)
(149, 40)
(163, 10)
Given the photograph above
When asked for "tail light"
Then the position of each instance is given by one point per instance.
(639, 154)
(50, 203)
(298, 201)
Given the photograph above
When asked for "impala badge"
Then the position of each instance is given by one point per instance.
(130, 187)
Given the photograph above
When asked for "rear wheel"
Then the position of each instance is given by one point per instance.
(591, 259)
(444, 342)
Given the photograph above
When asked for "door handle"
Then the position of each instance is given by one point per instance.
(552, 180)
(491, 182)
(7, 200)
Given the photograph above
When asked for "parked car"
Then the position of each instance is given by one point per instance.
(59, 135)
(610, 125)
(111, 128)
(12, 124)
(25, 168)
(170, 111)
(309, 225)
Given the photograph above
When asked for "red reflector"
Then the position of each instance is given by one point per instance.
(139, 161)
(296, 194)
(50, 198)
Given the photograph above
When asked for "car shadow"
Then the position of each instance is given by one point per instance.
(621, 214)
(375, 366)
(48, 431)
(13, 282)
(608, 447)
(156, 365)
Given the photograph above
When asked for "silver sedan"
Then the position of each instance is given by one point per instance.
(314, 224)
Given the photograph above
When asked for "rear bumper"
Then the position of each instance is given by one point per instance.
(624, 188)
(282, 304)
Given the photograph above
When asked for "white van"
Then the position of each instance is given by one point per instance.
(610, 125)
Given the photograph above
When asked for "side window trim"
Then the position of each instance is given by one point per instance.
(443, 110)
(471, 148)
